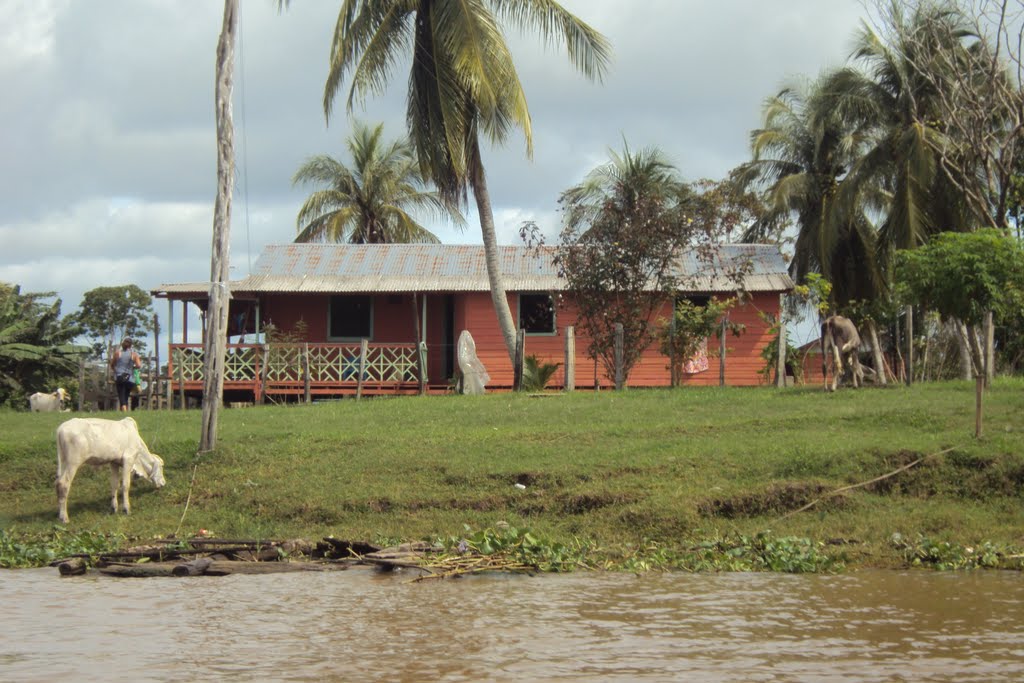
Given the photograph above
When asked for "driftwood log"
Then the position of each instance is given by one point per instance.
(221, 557)
(208, 567)
(72, 566)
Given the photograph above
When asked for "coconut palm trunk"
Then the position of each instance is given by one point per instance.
(462, 85)
(498, 296)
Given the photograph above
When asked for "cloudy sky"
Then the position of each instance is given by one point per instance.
(108, 163)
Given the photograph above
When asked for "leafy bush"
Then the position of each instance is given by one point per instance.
(944, 555)
(537, 374)
(739, 553)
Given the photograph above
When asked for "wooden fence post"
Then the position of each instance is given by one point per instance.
(517, 365)
(673, 365)
(619, 353)
(363, 349)
(149, 382)
(569, 384)
(305, 374)
(780, 366)
(721, 351)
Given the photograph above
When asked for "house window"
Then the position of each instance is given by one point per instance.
(695, 299)
(536, 314)
(350, 317)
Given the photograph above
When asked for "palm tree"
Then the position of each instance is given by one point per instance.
(35, 343)
(369, 203)
(801, 157)
(462, 84)
(889, 95)
(624, 181)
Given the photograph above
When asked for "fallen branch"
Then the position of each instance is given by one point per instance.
(865, 483)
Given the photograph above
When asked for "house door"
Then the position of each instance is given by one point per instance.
(448, 337)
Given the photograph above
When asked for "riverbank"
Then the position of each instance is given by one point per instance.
(642, 479)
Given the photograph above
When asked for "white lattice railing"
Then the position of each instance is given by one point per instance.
(329, 364)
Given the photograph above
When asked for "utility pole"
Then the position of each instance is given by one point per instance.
(217, 314)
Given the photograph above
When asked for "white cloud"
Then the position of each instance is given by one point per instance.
(109, 163)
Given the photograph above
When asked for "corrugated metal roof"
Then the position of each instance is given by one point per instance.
(329, 268)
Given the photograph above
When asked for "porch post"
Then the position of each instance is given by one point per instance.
(421, 349)
(257, 329)
(184, 321)
(423, 319)
(168, 388)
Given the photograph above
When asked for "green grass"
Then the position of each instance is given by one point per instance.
(660, 470)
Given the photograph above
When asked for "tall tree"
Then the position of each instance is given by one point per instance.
(626, 228)
(970, 55)
(220, 260)
(966, 277)
(462, 85)
(800, 157)
(885, 94)
(109, 314)
(372, 202)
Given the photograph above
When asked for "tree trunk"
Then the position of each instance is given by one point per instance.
(620, 377)
(213, 361)
(910, 344)
(969, 337)
(876, 353)
(965, 351)
(498, 297)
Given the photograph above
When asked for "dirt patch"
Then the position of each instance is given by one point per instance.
(776, 499)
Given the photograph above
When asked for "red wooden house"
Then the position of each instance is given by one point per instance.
(323, 300)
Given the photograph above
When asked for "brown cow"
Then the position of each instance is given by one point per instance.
(840, 341)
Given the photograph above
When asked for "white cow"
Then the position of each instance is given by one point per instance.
(99, 442)
(48, 403)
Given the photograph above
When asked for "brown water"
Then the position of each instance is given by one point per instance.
(360, 625)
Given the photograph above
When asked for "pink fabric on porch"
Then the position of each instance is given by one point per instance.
(699, 361)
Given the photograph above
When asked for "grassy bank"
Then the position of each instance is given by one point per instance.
(640, 478)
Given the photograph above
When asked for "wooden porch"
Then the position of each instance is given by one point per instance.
(303, 371)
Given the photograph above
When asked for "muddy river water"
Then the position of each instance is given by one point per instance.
(364, 626)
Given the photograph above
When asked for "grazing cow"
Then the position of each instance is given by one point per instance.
(48, 403)
(840, 341)
(99, 442)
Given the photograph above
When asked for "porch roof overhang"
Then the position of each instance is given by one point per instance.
(406, 268)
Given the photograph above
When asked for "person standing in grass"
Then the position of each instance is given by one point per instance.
(123, 363)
